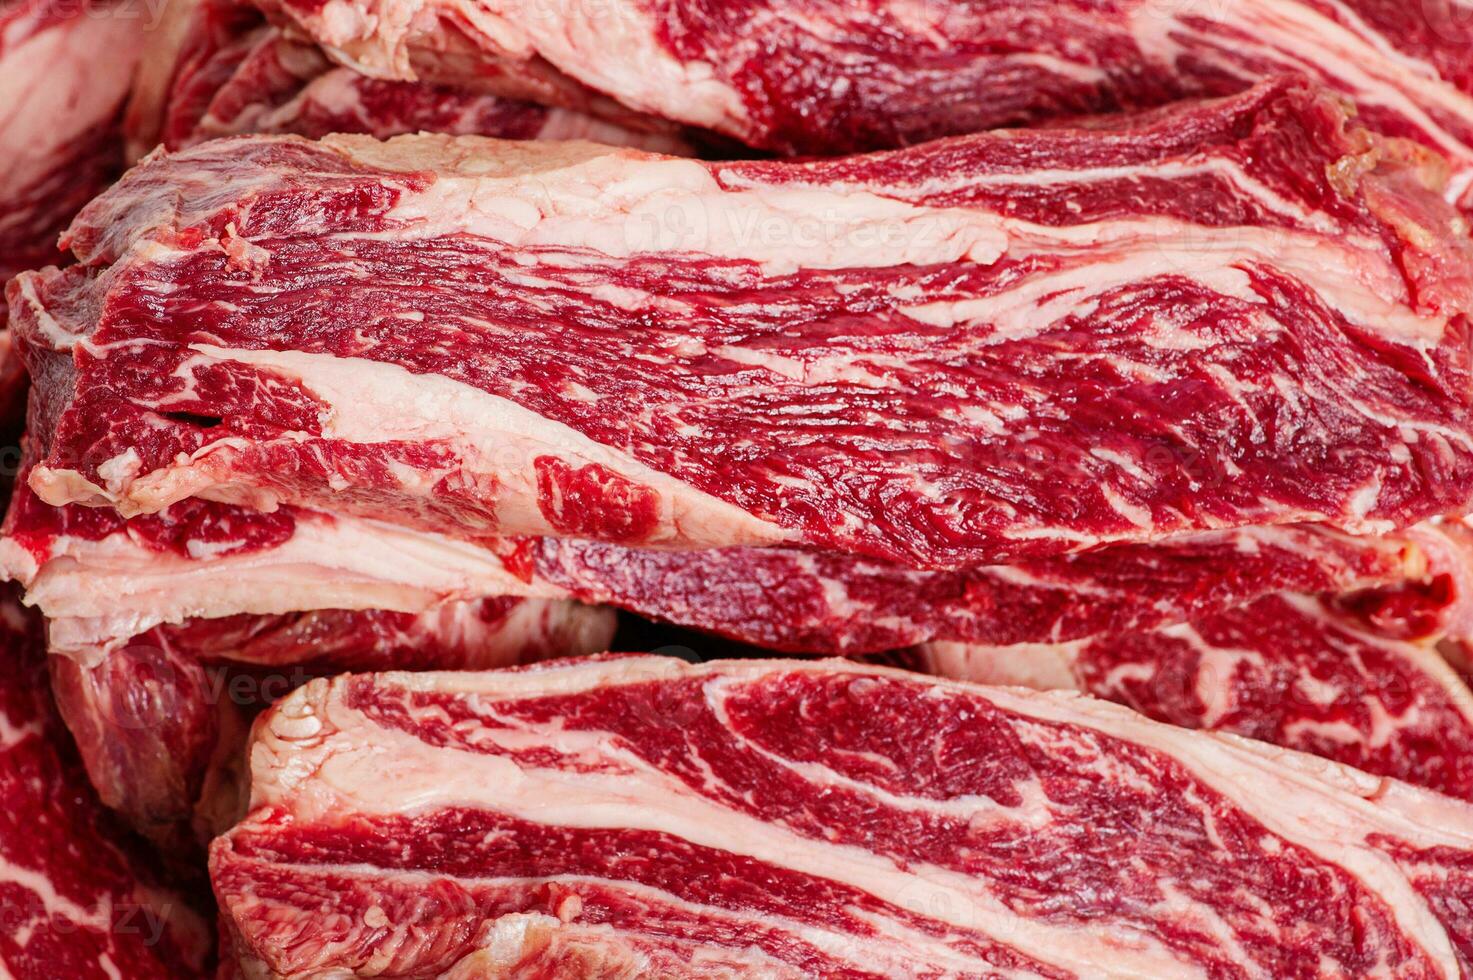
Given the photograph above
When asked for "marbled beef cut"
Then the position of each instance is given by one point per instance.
(1293, 670)
(641, 817)
(982, 349)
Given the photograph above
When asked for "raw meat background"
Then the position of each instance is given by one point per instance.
(1353, 295)
(1162, 400)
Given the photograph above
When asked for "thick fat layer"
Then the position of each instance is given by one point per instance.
(161, 721)
(836, 76)
(667, 353)
(757, 809)
(216, 69)
(100, 580)
(98, 591)
(1289, 670)
(78, 896)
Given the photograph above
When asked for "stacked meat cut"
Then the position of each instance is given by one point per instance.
(599, 385)
(430, 340)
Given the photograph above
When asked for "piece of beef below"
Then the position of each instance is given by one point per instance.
(80, 897)
(216, 68)
(161, 720)
(974, 351)
(639, 816)
(833, 76)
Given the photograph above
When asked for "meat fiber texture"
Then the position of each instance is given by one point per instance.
(215, 68)
(80, 897)
(169, 632)
(979, 355)
(642, 817)
(65, 67)
(64, 74)
(837, 76)
(199, 558)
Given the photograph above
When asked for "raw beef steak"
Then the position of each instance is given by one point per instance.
(983, 349)
(641, 817)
